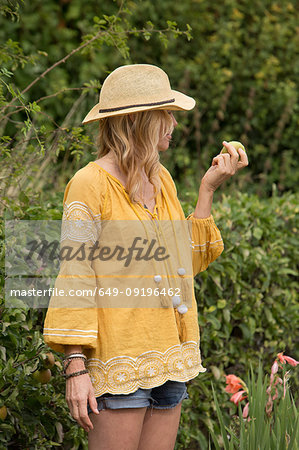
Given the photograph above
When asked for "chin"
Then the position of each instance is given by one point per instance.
(163, 147)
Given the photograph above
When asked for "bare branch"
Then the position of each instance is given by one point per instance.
(63, 60)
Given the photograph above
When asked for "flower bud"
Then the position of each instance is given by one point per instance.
(274, 368)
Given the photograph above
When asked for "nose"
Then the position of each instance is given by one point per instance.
(173, 120)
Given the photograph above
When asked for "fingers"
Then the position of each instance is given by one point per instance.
(226, 166)
(78, 410)
(93, 404)
(238, 158)
(84, 419)
(231, 150)
(77, 393)
(219, 161)
(233, 157)
(243, 162)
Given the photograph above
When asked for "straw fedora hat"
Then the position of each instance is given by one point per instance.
(137, 87)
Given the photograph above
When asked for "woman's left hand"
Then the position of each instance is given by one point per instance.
(224, 166)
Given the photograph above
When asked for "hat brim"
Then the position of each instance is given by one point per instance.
(182, 102)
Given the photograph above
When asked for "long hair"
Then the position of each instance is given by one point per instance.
(134, 141)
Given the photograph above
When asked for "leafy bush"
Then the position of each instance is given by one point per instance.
(37, 413)
(247, 301)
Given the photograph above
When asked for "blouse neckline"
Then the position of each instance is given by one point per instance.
(154, 214)
(110, 175)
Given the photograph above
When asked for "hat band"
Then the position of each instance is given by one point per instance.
(137, 106)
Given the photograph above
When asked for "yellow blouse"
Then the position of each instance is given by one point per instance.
(119, 284)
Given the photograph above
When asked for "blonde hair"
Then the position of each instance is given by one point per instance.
(134, 141)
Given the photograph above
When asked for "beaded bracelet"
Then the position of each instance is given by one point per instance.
(69, 360)
(76, 374)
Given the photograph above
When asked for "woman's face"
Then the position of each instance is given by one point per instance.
(164, 141)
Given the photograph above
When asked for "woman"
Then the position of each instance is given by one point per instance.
(133, 321)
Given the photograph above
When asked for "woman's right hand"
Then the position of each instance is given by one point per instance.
(79, 390)
(224, 166)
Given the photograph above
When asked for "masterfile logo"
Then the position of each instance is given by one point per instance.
(119, 264)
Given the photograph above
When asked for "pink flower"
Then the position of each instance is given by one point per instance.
(238, 397)
(275, 396)
(271, 378)
(291, 361)
(245, 411)
(287, 359)
(233, 384)
(274, 368)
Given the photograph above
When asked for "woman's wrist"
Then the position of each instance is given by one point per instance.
(206, 188)
(74, 365)
(204, 203)
(72, 349)
(74, 359)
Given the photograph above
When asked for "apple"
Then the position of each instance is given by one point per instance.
(236, 144)
(58, 364)
(49, 360)
(42, 376)
(3, 412)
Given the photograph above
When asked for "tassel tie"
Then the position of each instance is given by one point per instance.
(180, 320)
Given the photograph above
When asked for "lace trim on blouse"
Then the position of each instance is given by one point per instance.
(125, 374)
(79, 224)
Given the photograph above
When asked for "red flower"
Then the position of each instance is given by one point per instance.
(233, 384)
(287, 359)
(238, 397)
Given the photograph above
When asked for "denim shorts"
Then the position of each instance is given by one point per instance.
(166, 396)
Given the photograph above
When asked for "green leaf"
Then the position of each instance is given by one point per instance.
(221, 421)
(221, 304)
(257, 233)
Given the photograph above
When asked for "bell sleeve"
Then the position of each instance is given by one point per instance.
(206, 242)
(71, 318)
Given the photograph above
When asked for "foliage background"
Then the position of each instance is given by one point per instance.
(240, 61)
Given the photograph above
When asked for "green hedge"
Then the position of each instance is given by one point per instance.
(247, 312)
(247, 302)
(241, 66)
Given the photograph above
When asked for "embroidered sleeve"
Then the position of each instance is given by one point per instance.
(79, 223)
(206, 242)
(71, 318)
